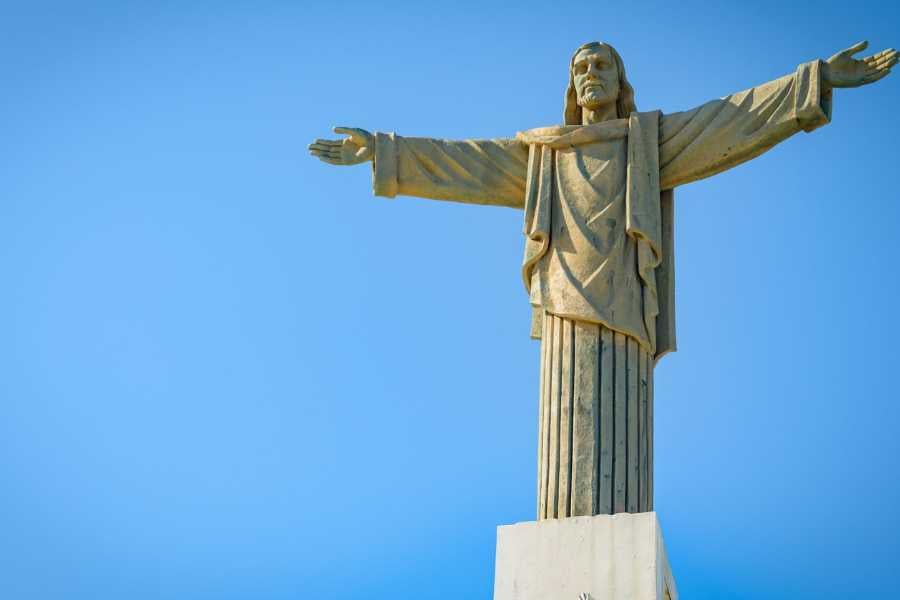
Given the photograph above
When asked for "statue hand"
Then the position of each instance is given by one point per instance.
(842, 70)
(358, 147)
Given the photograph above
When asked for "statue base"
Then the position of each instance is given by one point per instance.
(605, 557)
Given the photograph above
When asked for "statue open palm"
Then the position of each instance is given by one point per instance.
(842, 70)
(357, 148)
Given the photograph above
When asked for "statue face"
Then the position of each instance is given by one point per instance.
(596, 77)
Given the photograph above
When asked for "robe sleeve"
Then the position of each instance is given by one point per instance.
(471, 171)
(721, 134)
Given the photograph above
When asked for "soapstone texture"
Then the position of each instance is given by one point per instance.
(605, 557)
(597, 199)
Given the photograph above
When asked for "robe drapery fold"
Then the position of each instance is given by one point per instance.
(597, 198)
(595, 421)
(645, 220)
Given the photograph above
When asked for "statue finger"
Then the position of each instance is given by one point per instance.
(319, 149)
(888, 64)
(881, 58)
(876, 76)
(328, 158)
(877, 55)
(335, 150)
(857, 47)
(324, 155)
(328, 142)
(889, 59)
(356, 134)
(885, 66)
(871, 71)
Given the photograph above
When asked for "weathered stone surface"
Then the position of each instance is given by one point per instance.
(597, 197)
(594, 453)
(605, 557)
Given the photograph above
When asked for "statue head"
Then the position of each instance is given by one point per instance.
(596, 79)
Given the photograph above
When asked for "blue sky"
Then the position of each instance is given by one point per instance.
(230, 372)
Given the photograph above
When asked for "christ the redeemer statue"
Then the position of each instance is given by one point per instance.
(597, 199)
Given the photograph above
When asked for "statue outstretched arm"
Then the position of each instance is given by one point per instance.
(721, 134)
(472, 171)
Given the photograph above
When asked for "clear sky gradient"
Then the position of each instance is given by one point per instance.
(230, 372)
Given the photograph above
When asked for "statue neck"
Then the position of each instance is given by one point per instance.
(604, 113)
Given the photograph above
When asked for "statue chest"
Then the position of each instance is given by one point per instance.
(589, 195)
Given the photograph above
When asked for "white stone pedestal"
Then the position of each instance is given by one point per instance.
(605, 557)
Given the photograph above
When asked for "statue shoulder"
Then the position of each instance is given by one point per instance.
(574, 135)
(537, 134)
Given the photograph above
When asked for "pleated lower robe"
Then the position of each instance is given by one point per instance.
(595, 433)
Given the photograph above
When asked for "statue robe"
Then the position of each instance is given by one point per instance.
(598, 260)
(594, 222)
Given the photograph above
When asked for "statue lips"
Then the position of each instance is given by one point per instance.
(592, 85)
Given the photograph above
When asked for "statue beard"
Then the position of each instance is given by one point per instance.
(596, 98)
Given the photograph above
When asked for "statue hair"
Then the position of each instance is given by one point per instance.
(624, 103)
